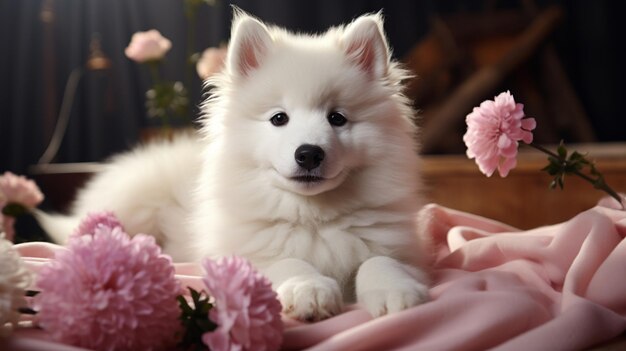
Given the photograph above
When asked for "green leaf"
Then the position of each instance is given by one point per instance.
(195, 319)
(559, 165)
(182, 302)
(572, 167)
(14, 209)
(578, 157)
(204, 307)
(562, 151)
(578, 161)
(552, 184)
(554, 166)
(206, 325)
(195, 295)
(167, 99)
(554, 160)
(561, 181)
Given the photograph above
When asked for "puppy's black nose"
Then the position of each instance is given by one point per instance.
(309, 156)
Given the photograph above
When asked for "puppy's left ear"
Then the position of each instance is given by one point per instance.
(365, 44)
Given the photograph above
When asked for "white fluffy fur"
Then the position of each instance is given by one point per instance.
(230, 192)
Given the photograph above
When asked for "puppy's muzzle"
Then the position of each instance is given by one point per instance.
(309, 157)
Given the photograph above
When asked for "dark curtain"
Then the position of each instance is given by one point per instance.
(42, 41)
(40, 52)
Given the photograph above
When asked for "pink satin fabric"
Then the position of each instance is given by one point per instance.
(559, 287)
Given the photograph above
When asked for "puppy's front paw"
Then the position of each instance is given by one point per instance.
(395, 298)
(310, 298)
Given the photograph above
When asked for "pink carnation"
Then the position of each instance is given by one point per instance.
(107, 291)
(19, 190)
(246, 310)
(147, 46)
(92, 221)
(493, 132)
(211, 62)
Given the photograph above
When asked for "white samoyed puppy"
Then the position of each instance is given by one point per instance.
(306, 165)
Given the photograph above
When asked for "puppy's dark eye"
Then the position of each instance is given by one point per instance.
(279, 119)
(336, 119)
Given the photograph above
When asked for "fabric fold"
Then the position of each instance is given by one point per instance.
(558, 287)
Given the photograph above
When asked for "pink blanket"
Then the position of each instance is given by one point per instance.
(560, 287)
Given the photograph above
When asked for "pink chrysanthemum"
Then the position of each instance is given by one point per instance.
(247, 310)
(19, 190)
(493, 132)
(94, 220)
(110, 292)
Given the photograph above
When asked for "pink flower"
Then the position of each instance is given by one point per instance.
(107, 291)
(18, 190)
(92, 221)
(246, 310)
(211, 62)
(147, 46)
(493, 132)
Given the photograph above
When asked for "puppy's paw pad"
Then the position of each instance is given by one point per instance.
(384, 301)
(310, 298)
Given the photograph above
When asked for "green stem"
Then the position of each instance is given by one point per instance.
(156, 78)
(598, 183)
(602, 185)
(154, 71)
(544, 150)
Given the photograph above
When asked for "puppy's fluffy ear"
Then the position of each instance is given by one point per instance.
(249, 42)
(365, 44)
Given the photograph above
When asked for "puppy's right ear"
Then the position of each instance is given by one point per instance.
(249, 43)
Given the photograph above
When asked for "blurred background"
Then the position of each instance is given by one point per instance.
(563, 59)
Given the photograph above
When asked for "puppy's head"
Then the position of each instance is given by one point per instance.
(308, 111)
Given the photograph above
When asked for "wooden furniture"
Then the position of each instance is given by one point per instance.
(523, 198)
(61, 181)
